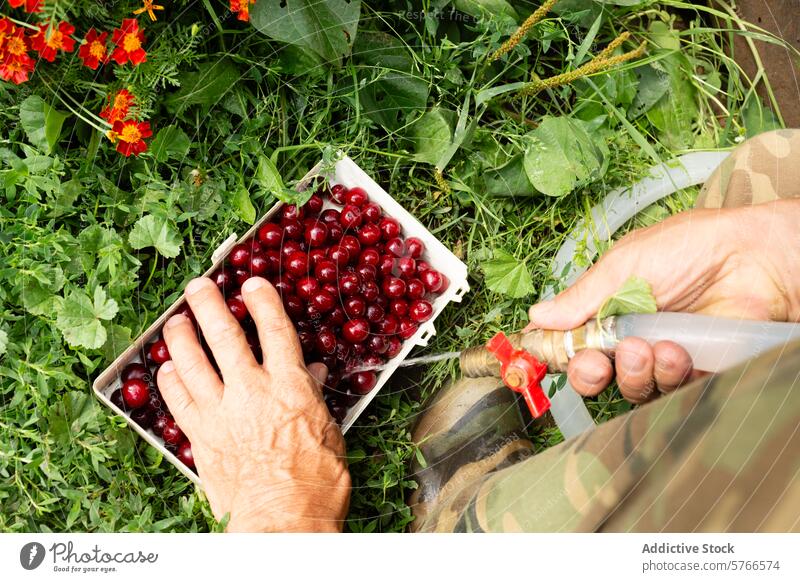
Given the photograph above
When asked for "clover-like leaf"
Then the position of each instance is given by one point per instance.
(635, 296)
(506, 275)
(79, 318)
(157, 232)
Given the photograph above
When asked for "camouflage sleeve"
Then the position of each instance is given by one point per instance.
(718, 455)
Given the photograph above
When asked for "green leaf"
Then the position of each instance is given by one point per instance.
(676, 112)
(205, 87)
(391, 96)
(488, 8)
(653, 85)
(170, 142)
(327, 28)
(757, 118)
(563, 155)
(157, 232)
(506, 275)
(243, 206)
(267, 176)
(79, 318)
(119, 338)
(635, 296)
(432, 134)
(41, 123)
(3, 342)
(509, 179)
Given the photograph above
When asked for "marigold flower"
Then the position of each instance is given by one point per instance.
(118, 109)
(15, 64)
(93, 51)
(30, 5)
(130, 135)
(16, 70)
(149, 7)
(50, 39)
(128, 40)
(242, 8)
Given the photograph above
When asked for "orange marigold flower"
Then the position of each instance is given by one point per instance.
(130, 135)
(128, 40)
(15, 64)
(16, 70)
(30, 5)
(93, 51)
(242, 9)
(50, 39)
(119, 107)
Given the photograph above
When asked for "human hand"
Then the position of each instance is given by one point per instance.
(265, 447)
(740, 262)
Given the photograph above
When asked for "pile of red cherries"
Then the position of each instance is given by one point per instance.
(353, 286)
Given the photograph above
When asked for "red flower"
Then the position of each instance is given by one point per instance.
(58, 39)
(93, 51)
(131, 136)
(118, 110)
(242, 8)
(15, 64)
(128, 40)
(30, 5)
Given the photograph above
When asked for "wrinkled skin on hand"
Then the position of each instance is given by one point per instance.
(265, 447)
(737, 262)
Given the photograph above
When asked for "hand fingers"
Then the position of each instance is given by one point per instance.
(673, 366)
(590, 372)
(178, 399)
(191, 362)
(276, 333)
(635, 362)
(319, 372)
(223, 333)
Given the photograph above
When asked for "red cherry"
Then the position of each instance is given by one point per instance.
(240, 256)
(159, 352)
(433, 280)
(339, 255)
(395, 246)
(136, 371)
(355, 330)
(422, 266)
(330, 216)
(375, 313)
(308, 341)
(171, 433)
(407, 267)
(326, 271)
(273, 257)
(399, 307)
(118, 401)
(369, 256)
(284, 286)
(237, 308)
(297, 264)
(359, 351)
(294, 306)
(351, 216)
(290, 246)
(351, 244)
(336, 317)
(322, 301)
(370, 291)
(270, 235)
(420, 310)
(414, 247)
(371, 212)
(317, 235)
(386, 265)
(394, 288)
(356, 196)
(259, 264)
(326, 342)
(314, 204)
(349, 284)
(342, 350)
(135, 393)
(367, 272)
(390, 228)
(335, 232)
(290, 213)
(240, 276)
(332, 380)
(185, 454)
(383, 301)
(355, 307)
(293, 230)
(143, 417)
(363, 382)
(415, 289)
(331, 288)
(159, 423)
(389, 325)
(407, 328)
(223, 278)
(306, 287)
(377, 344)
(317, 255)
(394, 345)
(338, 192)
(369, 234)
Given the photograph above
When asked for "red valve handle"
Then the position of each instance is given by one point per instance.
(522, 372)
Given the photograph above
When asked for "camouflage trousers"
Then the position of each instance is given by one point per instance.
(721, 454)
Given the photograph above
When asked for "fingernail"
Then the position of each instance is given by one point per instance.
(176, 320)
(195, 285)
(167, 367)
(539, 310)
(252, 284)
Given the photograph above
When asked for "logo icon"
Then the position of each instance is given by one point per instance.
(31, 555)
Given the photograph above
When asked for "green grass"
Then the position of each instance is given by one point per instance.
(66, 217)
